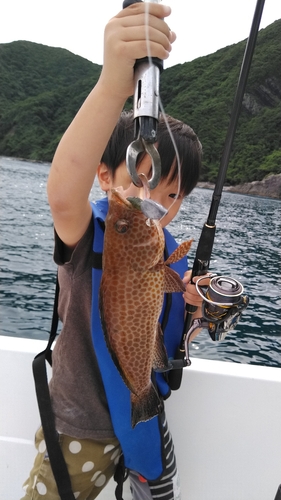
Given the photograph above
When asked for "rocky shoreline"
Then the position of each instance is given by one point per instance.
(269, 187)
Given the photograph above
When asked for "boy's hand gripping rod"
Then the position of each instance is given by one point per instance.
(205, 245)
(146, 114)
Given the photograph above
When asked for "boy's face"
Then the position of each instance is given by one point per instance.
(164, 193)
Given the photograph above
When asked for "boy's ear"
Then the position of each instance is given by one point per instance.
(104, 177)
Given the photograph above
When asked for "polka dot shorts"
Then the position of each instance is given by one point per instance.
(90, 464)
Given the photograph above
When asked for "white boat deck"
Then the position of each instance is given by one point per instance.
(225, 422)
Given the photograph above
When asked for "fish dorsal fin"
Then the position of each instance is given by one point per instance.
(172, 281)
(180, 252)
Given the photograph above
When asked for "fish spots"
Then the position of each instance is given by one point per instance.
(131, 300)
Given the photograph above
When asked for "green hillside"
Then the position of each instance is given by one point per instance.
(41, 89)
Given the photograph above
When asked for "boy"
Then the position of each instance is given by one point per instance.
(94, 145)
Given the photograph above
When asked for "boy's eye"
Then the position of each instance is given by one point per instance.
(174, 196)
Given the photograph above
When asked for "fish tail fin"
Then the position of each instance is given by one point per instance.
(145, 406)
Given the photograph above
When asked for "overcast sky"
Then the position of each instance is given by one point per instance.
(202, 26)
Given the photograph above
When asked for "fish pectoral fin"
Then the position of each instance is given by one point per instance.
(172, 281)
(180, 252)
(160, 358)
(145, 406)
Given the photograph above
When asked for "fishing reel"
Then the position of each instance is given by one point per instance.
(223, 304)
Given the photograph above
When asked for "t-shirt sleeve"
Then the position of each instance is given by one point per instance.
(80, 258)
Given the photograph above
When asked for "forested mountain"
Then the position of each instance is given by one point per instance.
(41, 89)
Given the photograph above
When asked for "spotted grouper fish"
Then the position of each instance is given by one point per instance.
(132, 288)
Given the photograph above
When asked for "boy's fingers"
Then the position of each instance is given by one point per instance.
(137, 15)
(203, 281)
(187, 276)
(155, 9)
(172, 36)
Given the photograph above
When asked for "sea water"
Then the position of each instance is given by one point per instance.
(246, 247)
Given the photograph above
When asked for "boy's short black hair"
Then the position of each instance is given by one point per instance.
(187, 143)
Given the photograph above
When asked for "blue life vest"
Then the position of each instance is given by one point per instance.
(141, 446)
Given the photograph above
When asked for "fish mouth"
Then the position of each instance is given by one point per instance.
(150, 208)
(118, 195)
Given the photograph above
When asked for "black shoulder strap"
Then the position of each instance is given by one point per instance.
(56, 457)
(57, 461)
(97, 256)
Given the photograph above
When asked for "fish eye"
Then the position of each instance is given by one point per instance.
(122, 226)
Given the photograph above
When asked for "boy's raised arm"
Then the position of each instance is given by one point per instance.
(78, 154)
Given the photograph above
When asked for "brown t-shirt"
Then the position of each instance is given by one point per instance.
(76, 387)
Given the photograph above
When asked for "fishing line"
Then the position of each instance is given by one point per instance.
(146, 16)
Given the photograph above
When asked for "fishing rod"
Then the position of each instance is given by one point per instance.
(221, 288)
